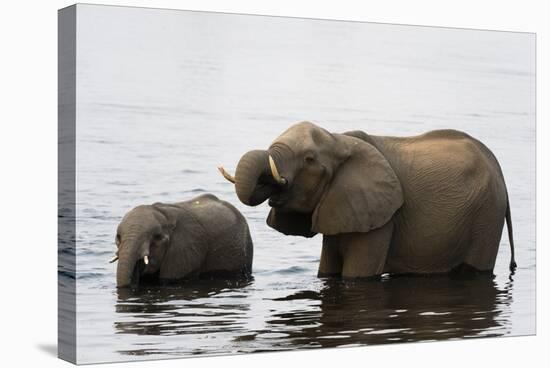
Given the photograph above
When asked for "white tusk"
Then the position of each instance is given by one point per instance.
(146, 260)
(226, 174)
(114, 259)
(275, 173)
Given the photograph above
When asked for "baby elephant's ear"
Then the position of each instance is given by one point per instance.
(169, 214)
(291, 223)
(363, 195)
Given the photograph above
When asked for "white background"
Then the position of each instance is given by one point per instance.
(28, 179)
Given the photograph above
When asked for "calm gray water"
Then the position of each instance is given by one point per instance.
(163, 97)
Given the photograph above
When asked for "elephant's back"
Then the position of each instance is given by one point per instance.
(448, 155)
(214, 212)
(230, 241)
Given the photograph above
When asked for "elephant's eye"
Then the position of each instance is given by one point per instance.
(158, 237)
(309, 159)
(117, 239)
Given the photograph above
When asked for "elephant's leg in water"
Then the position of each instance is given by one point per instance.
(331, 259)
(486, 236)
(361, 255)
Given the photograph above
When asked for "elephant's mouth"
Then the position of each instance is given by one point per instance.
(278, 200)
(274, 203)
(141, 276)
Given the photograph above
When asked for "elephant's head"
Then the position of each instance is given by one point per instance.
(318, 182)
(143, 241)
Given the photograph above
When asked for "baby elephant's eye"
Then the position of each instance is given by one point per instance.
(158, 237)
(309, 159)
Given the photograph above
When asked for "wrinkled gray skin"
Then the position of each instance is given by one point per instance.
(204, 235)
(433, 203)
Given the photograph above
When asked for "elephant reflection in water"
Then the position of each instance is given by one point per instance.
(396, 310)
(178, 311)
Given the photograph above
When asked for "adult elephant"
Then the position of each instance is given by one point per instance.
(170, 242)
(433, 203)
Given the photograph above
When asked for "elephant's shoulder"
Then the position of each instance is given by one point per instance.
(357, 134)
(360, 135)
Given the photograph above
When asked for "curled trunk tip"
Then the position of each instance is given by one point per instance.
(251, 166)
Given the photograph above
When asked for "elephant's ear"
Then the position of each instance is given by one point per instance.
(168, 215)
(363, 195)
(185, 253)
(291, 223)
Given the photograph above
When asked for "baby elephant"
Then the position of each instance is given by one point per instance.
(168, 242)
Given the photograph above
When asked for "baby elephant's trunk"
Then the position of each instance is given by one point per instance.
(127, 259)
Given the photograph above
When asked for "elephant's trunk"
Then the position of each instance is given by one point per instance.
(127, 259)
(253, 179)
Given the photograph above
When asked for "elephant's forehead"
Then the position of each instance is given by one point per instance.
(304, 134)
(142, 210)
(138, 216)
(294, 138)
